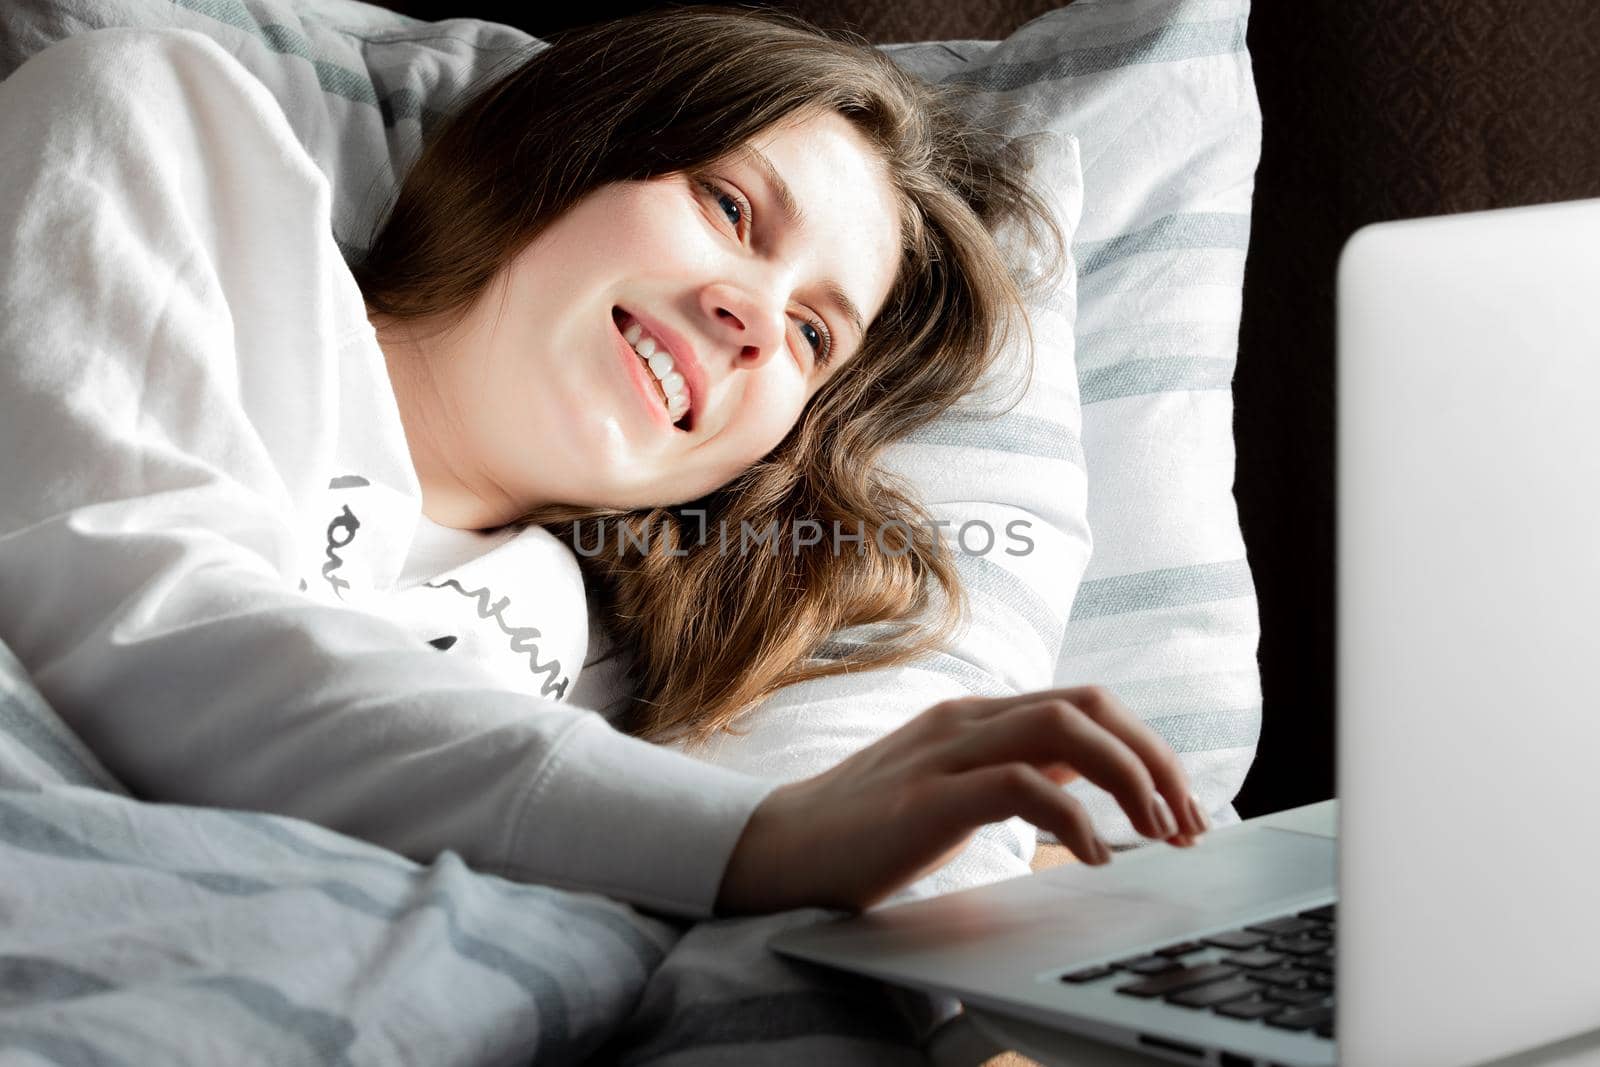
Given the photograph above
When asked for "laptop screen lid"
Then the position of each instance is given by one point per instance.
(1469, 634)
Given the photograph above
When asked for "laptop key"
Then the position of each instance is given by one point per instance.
(1254, 959)
(1253, 1008)
(1298, 946)
(1145, 964)
(1284, 927)
(1237, 939)
(1319, 980)
(1088, 974)
(1214, 993)
(1182, 948)
(1301, 1018)
(1296, 997)
(1282, 976)
(1152, 965)
(1182, 978)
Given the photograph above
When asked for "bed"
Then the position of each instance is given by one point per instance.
(137, 931)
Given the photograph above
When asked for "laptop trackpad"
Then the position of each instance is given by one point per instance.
(1225, 880)
(1150, 895)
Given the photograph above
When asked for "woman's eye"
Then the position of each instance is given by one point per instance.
(741, 209)
(823, 345)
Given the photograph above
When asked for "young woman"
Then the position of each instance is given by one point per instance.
(229, 460)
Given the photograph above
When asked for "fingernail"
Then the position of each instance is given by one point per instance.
(1198, 814)
(1161, 815)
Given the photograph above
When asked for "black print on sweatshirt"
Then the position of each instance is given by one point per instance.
(523, 638)
(445, 643)
(341, 531)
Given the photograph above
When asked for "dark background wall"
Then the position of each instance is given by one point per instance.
(1371, 110)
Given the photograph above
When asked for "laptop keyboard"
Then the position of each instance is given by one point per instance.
(1278, 972)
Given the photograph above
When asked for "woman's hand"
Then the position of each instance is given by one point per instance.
(906, 805)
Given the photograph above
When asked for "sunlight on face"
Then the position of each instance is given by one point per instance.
(538, 398)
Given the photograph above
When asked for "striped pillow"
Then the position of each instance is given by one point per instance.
(1161, 97)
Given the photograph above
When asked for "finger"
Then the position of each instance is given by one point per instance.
(1157, 756)
(992, 794)
(1061, 774)
(1055, 732)
(1165, 769)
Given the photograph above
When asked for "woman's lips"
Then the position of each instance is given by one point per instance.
(688, 418)
(683, 360)
(649, 392)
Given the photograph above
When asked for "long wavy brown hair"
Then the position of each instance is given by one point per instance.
(711, 629)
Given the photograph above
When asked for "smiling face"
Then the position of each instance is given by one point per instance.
(538, 398)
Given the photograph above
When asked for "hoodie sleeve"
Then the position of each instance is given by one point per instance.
(173, 318)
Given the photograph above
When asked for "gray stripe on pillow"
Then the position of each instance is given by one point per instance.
(334, 78)
(1209, 729)
(58, 1048)
(1193, 230)
(1101, 348)
(1138, 377)
(1185, 268)
(352, 86)
(975, 681)
(1024, 435)
(993, 580)
(1180, 41)
(1174, 694)
(229, 11)
(407, 104)
(1167, 587)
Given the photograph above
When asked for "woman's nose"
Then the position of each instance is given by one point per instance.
(748, 322)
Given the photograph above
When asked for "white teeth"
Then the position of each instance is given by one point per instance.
(660, 363)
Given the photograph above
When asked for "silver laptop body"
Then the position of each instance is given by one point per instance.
(1464, 852)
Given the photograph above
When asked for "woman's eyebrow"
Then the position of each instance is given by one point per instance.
(795, 218)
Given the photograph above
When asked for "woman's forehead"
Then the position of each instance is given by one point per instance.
(831, 188)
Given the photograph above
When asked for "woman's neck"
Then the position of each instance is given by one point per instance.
(448, 497)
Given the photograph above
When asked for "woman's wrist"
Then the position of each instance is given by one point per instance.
(767, 871)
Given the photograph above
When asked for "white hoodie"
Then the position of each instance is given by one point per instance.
(209, 516)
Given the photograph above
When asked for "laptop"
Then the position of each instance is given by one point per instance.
(1445, 909)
